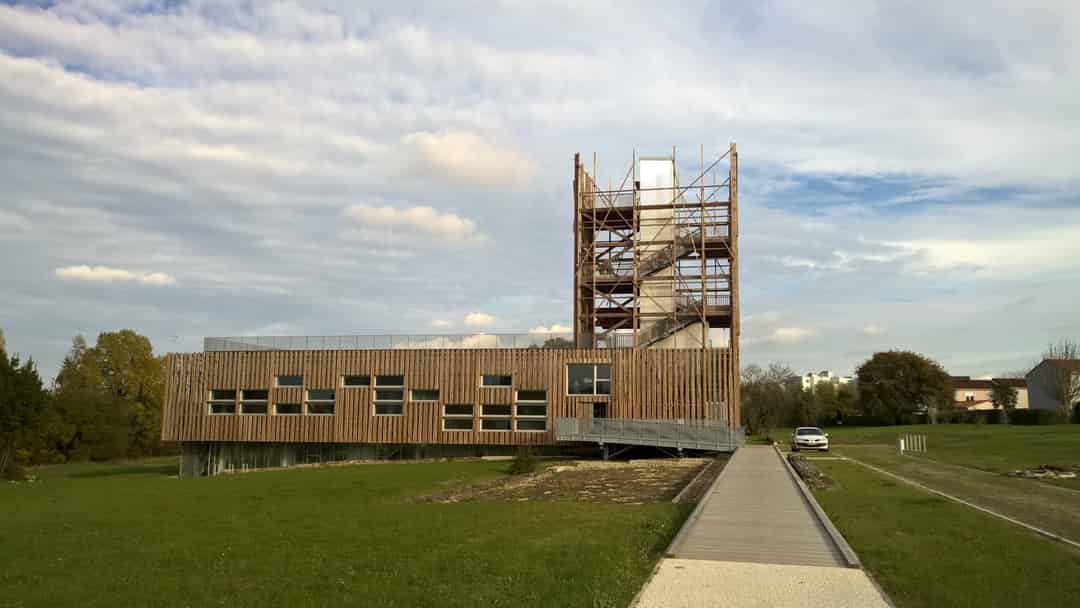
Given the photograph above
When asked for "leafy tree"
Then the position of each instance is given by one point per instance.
(765, 400)
(896, 384)
(22, 400)
(1004, 398)
(558, 343)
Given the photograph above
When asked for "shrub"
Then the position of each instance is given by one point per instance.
(14, 472)
(1028, 417)
(524, 461)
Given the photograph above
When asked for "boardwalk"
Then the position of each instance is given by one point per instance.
(756, 514)
(756, 542)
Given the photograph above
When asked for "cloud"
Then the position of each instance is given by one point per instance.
(479, 319)
(791, 335)
(399, 223)
(873, 330)
(554, 329)
(105, 274)
(442, 323)
(469, 158)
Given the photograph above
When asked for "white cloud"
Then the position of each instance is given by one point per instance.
(791, 335)
(554, 329)
(469, 158)
(106, 274)
(399, 223)
(442, 323)
(479, 319)
(873, 330)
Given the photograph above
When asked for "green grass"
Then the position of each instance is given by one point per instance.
(128, 534)
(927, 551)
(998, 448)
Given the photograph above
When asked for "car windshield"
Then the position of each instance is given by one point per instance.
(809, 431)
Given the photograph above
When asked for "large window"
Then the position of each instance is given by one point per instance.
(531, 412)
(222, 402)
(458, 417)
(494, 381)
(289, 381)
(254, 402)
(588, 379)
(495, 418)
(320, 402)
(389, 395)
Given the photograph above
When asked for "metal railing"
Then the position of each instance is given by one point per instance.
(688, 434)
(405, 341)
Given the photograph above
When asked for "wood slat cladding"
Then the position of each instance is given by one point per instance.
(645, 384)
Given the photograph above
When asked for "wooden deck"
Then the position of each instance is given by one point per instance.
(755, 513)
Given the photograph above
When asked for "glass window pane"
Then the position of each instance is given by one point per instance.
(493, 380)
(496, 410)
(580, 379)
(290, 380)
(495, 424)
(457, 424)
(260, 395)
(249, 408)
(603, 372)
(532, 395)
(287, 409)
(389, 380)
(532, 425)
(389, 394)
(222, 394)
(324, 408)
(389, 409)
(531, 410)
(356, 381)
(603, 387)
(322, 394)
(459, 409)
(424, 395)
(222, 407)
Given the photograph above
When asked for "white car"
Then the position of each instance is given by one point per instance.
(809, 438)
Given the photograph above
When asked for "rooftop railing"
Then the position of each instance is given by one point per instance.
(405, 341)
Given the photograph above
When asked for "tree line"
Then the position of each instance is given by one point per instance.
(105, 403)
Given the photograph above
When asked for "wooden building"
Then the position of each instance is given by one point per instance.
(643, 372)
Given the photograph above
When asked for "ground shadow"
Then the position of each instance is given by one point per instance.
(155, 469)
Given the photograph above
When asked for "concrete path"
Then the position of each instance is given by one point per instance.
(756, 542)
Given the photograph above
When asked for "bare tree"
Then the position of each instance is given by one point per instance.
(1064, 383)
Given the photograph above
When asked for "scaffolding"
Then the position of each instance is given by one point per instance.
(656, 260)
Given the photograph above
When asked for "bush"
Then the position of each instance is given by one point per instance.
(14, 472)
(1028, 417)
(524, 462)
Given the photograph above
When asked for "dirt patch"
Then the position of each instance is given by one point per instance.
(1047, 471)
(700, 484)
(633, 482)
(810, 473)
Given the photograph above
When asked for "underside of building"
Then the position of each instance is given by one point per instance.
(653, 360)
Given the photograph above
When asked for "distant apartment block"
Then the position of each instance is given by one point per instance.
(812, 379)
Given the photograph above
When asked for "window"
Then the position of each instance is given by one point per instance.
(290, 381)
(254, 402)
(222, 401)
(320, 402)
(495, 381)
(458, 417)
(355, 381)
(426, 394)
(389, 396)
(531, 411)
(588, 379)
(287, 409)
(495, 418)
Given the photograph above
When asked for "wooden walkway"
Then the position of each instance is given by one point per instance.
(755, 513)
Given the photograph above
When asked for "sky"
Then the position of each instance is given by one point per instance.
(909, 172)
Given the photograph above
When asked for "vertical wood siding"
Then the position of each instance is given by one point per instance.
(645, 384)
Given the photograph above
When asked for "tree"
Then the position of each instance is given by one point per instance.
(896, 384)
(764, 396)
(1064, 384)
(1004, 398)
(22, 399)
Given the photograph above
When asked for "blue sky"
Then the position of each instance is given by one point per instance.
(908, 172)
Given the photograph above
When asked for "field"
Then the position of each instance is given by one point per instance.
(120, 535)
(926, 551)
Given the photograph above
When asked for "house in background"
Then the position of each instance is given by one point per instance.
(811, 379)
(978, 394)
(1044, 382)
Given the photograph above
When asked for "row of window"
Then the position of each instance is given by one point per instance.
(582, 379)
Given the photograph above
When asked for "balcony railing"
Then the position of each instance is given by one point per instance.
(406, 341)
(687, 434)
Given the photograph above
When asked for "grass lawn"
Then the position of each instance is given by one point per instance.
(998, 448)
(927, 551)
(127, 535)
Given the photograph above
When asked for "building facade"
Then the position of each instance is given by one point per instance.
(978, 394)
(812, 379)
(1053, 380)
(640, 369)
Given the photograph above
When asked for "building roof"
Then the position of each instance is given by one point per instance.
(962, 382)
